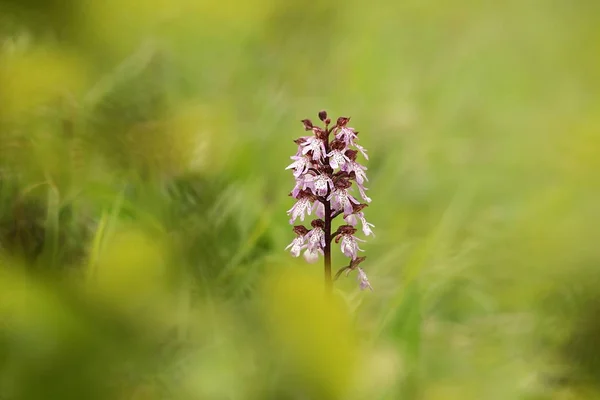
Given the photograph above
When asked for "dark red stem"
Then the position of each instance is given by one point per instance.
(327, 249)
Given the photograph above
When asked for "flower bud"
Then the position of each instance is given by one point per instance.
(323, 115)
(351, 154)
(300, 230)
(342, 183)
(337, 145)
(358, 207)
(320, 133)
(308, 125)
(347, 230)
(342, 121)
(317, 223)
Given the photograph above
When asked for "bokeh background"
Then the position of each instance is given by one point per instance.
(143, 199)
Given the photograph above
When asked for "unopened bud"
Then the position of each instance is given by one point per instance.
(351, 154)
(300, 230)
(323, 115)
(342, 121)
(317, 223)
(320, 133)
(337, 145)
(347, 230)
(308, 125)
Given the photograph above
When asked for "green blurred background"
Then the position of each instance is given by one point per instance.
(143, 199)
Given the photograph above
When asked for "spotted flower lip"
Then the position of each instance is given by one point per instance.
(303, 206)
(316, 146)
(325, 168)
(349, 243)
(337, 159)
(296, 246)
(316, 239)
(359, 171)
(349, 135)
(349, 246)
(300, 165)
(320, 184)
(341, 200)
(299, 209)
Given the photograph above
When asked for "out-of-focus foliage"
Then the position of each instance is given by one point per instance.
(143, 199)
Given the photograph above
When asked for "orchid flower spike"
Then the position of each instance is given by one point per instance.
(326, 170)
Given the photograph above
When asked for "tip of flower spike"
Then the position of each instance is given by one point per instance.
(323, 115)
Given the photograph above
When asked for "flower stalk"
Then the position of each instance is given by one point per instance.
(327, 249)
(326, 170)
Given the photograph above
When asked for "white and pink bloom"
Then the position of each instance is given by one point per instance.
(315, 238)
(337, 159)
(363, 281)
(337, 156)
(319, 184)
(341, 200)
(300, 165)
(316, 146)
(353, 219)
(296, 246)
(348, 135)
(299, 187)
(299, 241)
(304, 206)
(353, 166)
(349, 246)
(349, 243)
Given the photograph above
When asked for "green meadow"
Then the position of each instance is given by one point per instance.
(143, 199)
